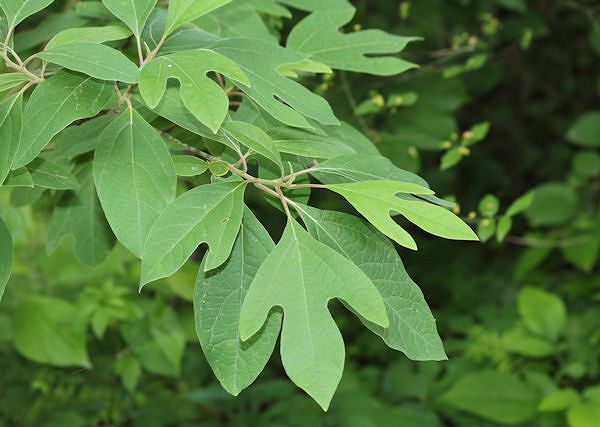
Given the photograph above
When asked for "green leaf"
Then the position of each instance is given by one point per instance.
(209, 214)
(217, 305)
(307, 144)
(19, 178)
(6, 256)
(284, 99)
(202, 96)
(375, 200)
(495, 396)
(47, 174)
(521, 204)
(362, 167)
(77, 140)
(89, 34)
(553, 203)
(50, 331)
(586, 130)
(521, 342)
(560, 400)
(79, 214)
(93, 59)
(489, 206)
(17, 10)
(543, 313)
(129, 369)
(412, 328)
(11, 80)
(360, 51)
(254, 138)
(184, 11)
(56, 103)
(301, 275)
(584, 415)
(134, 13)
(451, 158)
(189, 166)
(135, 178)
(11, 123)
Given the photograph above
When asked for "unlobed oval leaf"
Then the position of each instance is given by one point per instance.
(89, 34)
(135, 178)
(134, 13)
(17, 10)
(184, 11)
(94, 59)
(56, 103)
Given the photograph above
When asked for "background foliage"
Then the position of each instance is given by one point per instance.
(504, 112)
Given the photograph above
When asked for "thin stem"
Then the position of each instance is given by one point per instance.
(283, 201)
(140, 52)
(297, 186)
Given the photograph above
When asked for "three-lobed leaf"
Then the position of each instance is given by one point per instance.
(412, 328)
(301, 275)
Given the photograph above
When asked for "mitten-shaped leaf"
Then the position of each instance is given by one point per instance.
(217, 306)
(135, 178)
(301, 276)
(412, 327)
(6, 256)
(376, 200)
(56, 103)
(209, 214)
(319, 36)
(201, 95)
(94, 59)
(134, 13)
(285, 99)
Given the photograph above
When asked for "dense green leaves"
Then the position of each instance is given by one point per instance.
(361, 51)
(202, 96)
(209, 214)
(376, 199)
(217, 302)
(412, 328)
(135, 178)
(292, 277)
(6, 256)
(54, 104)
(93, 59)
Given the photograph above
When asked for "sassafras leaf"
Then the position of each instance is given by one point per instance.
(56, 103)
(89, 34)
(209, 214)
(11, 122)
(301, 275)
(184, 11)
(202, 96)
(94, 59)
(134, 13)
(376, 200)
(17, 10)
(217, 306)
(135, 178)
